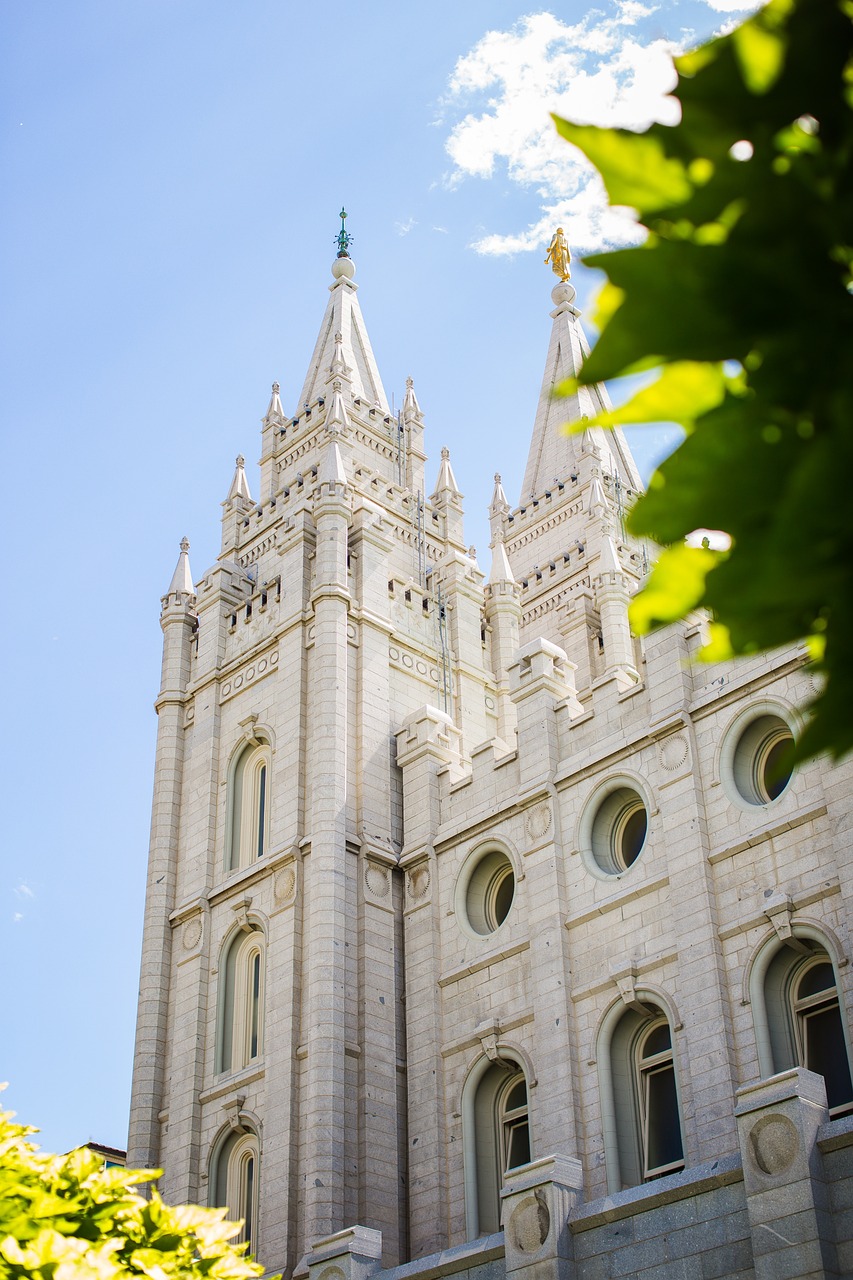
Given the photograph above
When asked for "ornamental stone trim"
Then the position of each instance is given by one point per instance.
(250, 674)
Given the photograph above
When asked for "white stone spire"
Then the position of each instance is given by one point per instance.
(446, 482)
(352, 347)
(500, 570)
(339, 368)
(274, 414)
(331, 470)
(553, 453)
(498, 509)
(597, 503)
(182, 579)
(239, 485)
(336, 419)
(411, 408)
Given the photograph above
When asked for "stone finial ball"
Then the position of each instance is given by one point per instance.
(563, 292)
(343, 268)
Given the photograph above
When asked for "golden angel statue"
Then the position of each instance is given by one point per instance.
(559, 255)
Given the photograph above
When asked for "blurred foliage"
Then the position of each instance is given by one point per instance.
(69, 1218)
(742, 292)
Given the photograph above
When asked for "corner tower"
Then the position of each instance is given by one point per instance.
(271, 1062)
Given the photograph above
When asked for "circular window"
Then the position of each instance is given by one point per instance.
(489, 893)
(763, 760)
(619, 830)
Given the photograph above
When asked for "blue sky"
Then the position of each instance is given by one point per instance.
(173, 171)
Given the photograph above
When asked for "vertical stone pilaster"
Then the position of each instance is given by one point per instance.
(380, 1010)
(503, 614)
(536, 1201)
(426, 745)
(149, 1068)
(612, 598)
(786, 1194)
(540, 677)
(352, 1254)
(464, 599)
(323, 1114)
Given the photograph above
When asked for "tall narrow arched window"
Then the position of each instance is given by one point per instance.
(235, 1183)
(240, 1038)
(642, 1111)
(248, 806)
(497, 1138)
(804, 1023)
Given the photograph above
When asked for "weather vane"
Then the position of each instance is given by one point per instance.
(343, 239)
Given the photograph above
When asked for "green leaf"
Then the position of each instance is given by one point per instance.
(675, 587)
(760, 53)
(635, 168)
(684, 391)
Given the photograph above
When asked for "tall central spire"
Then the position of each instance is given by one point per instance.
(553, 453)
(343, 336)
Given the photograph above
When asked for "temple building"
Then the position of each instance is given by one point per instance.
(481, 936)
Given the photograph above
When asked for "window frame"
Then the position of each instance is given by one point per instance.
(240, 1033)
(622, 1032)
(248, 806)
(235, 1185)
(484, 873)
(647, 1067)
(775, 973)
(488, 1083)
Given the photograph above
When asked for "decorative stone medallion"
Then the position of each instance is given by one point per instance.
(673, 752)
(774, 1143)
(377, 880)
(418, 882)
(284, 885)
(192, 933)
(538, 820)
(530, 1223)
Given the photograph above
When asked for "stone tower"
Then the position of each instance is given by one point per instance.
(475, 926)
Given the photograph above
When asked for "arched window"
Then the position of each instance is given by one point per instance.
(804, 1022)
(241, 1005)
(235, 1183)
(642, 1111)
(499, 1140)
(248, 812)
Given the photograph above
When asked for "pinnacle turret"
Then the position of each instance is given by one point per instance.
(182, 585)
(501, 570)
(445, 485)
(239, 485)
(411, 408)
(597, 502)
(274, 415)
(339, 368)
(498, 510)
(336, 419)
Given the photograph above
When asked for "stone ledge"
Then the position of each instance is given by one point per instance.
(836, 1134)
(493, 957)
(653, 1195)
(449, 1261)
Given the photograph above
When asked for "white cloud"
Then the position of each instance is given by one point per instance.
(403, 228)
(24, 891)
(598, 71)
(734, 6)
(17, 917)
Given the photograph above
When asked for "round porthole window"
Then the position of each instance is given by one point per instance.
(489, 892)
(619, 830)
(763, 760)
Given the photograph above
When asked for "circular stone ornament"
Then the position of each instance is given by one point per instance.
(773, 1144)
